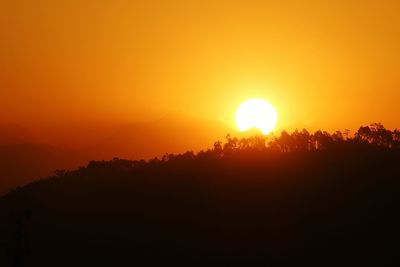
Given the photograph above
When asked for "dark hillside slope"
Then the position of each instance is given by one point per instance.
(336, 206)
(23, 163)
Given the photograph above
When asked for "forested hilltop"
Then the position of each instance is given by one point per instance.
(292, 200)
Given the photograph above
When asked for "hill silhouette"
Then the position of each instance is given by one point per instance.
(24, 159)
(299, 199)
(23, 163)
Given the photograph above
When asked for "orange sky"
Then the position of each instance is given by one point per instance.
(326, 64)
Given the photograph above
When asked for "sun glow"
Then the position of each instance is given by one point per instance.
(256, 113)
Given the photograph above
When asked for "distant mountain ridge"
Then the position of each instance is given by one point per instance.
(23, 163)
(166, 135)
(23, 160)
(15, 134)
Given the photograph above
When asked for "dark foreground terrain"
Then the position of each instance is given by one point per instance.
(297, 200)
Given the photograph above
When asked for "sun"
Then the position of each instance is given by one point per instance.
(256, 113)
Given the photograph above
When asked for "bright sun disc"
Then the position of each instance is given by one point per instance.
(256, 113)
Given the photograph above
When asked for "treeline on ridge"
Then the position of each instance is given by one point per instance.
(287, 200)
(372, 138)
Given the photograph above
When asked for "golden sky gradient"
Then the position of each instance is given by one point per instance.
(326, 64)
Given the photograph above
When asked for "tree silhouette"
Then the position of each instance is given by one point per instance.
(296, 199)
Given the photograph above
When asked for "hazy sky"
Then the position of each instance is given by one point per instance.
(329, 64)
